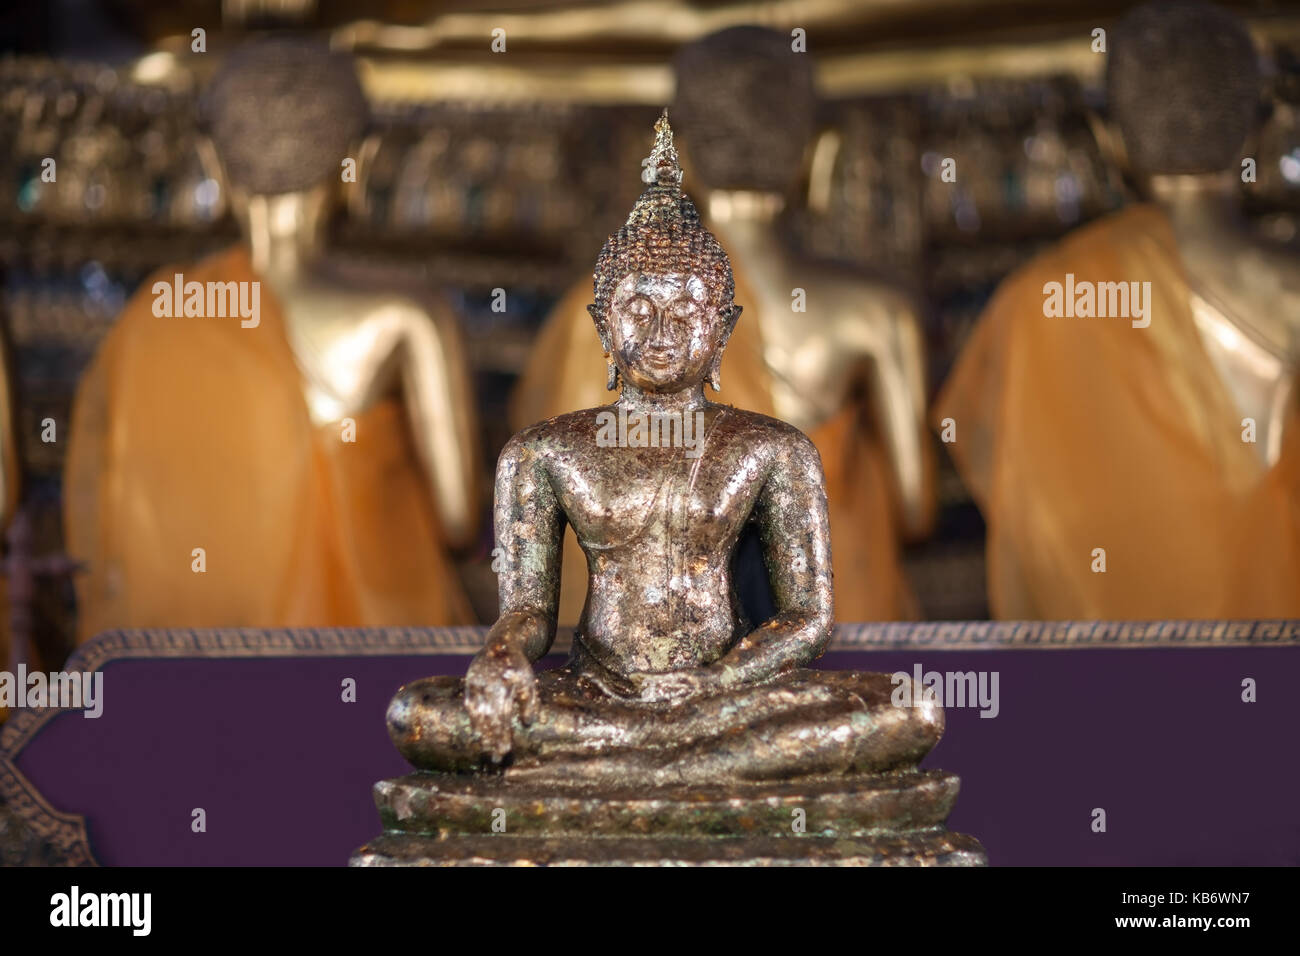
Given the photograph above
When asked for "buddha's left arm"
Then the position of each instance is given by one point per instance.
(440, 400)
(891, 342)
(792, 521)
(896, 382)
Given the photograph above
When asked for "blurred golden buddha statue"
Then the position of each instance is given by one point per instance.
(848, 371)
(1124, 410)
(311, 436)
(10, 481)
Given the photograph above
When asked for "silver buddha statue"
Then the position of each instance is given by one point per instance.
(669, 693)
(664, 669)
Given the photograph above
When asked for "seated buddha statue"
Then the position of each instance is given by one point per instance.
(308, 460)
(1125, 411)
(849, 369)
(667, 683)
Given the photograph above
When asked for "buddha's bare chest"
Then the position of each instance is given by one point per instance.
(1247, 310)
(343, 349)
(656, 501)
(815, 358)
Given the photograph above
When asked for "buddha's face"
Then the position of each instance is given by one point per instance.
(664, 330)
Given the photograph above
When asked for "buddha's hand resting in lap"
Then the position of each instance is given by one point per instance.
(676, 686)
(498, 687)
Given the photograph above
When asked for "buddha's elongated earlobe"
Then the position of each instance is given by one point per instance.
(602, 331)
(715, 367)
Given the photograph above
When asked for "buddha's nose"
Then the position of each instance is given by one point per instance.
(656, 326)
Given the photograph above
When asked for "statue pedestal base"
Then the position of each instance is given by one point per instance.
(894, 819)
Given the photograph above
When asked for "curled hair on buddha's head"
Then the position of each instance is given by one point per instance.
(746, 103)
(1182, 80)
(281, 112)
(663, 234)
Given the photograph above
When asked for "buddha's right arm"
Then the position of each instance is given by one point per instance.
(529, 533)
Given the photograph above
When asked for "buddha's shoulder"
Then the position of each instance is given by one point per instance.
(762, 432)
(555, 434)
(723, 425)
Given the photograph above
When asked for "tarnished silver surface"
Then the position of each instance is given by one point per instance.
(798, 723)
(931, 847)
(855, 805)
(678, 732)
(667, 683)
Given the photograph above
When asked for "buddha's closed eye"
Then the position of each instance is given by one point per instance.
(680, 308)
(640, 307)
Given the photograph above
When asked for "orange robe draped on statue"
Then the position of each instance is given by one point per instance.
(194, 433)
(566, 371)
(1075, 434)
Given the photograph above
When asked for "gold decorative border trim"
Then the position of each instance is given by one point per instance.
(1005, 635)
(63, 835)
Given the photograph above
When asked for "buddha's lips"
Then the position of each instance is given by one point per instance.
(658, 355)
